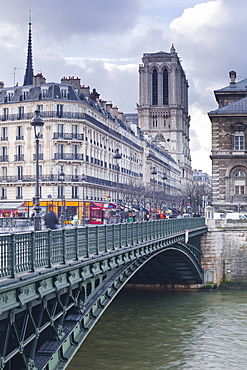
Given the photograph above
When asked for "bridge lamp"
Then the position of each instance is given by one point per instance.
(153, 172)
(37, 123)
(83, 180)
(164, 178)
(117, 156)
(61, 178)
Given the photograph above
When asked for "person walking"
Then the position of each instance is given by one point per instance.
(51, 219)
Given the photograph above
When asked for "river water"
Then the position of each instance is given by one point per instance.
(156, 330)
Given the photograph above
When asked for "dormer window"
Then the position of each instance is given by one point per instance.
(44, 93)
(24, 95)
(64, 93)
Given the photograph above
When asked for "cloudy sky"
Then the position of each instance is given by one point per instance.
(102, 42)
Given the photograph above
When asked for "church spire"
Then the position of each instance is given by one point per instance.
(28, 78)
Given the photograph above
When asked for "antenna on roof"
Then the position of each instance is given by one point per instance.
(14, 73)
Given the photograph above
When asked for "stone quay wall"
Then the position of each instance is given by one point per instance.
(224, 251)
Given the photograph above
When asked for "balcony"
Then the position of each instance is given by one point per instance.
(4, 158)
(67, 136)
(18, 157)
(20, 137)
(41, 157)
(68, 156)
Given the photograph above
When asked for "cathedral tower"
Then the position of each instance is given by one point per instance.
(163, 106)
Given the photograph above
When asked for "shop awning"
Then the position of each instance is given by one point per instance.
(11, 205)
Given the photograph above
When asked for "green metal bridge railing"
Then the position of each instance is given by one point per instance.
(30, 251)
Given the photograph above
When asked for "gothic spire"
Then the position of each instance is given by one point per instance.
(28, 78)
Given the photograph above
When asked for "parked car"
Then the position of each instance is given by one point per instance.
(236, 216)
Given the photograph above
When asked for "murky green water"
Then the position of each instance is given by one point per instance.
(155, 330)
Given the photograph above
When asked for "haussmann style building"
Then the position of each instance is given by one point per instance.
(81, 136)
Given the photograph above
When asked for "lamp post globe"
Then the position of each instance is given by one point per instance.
(117, 156)
(37, 123)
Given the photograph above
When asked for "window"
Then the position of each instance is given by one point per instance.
(75, 192)
(75, 151)
(40, 108)
(165, 87)
(59, 110)
(19, 133)
(3, 193)
(60, 130)
(4, 154)
(20, 112)
(60, 191)
(5, 113)
(239, 140)
(18, 192)
(4, 173)
(4, 134)
(19, 172)
(74, 131)
(155, 87)
(239, 183)
(74, 172)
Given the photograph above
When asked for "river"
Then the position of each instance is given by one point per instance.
(156, 330)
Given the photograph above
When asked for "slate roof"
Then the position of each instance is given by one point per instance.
(239, 106)
(238, 86)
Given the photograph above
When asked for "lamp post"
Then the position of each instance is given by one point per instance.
(61, 178)
(153, 172)
(83, 179)
(37, 122)
(117, 156)
(164, 178)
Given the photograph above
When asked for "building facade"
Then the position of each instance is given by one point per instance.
(229, 151)
(163, 106)
(80, 137)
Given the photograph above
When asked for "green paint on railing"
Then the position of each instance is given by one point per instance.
(30, 251)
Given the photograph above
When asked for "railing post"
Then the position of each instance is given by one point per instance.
(49, 248)
(76, 244)
(97, 239)
(33, 250)
(13, 255)
(64, 245)
(87, 241)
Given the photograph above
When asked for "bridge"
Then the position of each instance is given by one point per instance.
(55, 284)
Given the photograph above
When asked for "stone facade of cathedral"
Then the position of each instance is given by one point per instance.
(163, 106)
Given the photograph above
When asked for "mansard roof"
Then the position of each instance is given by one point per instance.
(239, 106)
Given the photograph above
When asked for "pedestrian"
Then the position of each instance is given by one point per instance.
(51, 219)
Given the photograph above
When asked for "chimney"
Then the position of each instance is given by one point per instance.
(1, 84)
(85, 90)
(108, 107)
(114, 111)
(232, 75)
(39, 79)
(95, 96)
(120, 116)
(71, 80)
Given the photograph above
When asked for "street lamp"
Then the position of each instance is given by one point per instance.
(153, 172)
(61, 178)
(164, 178)
(83, 179)
(37, 122)
(117, 156)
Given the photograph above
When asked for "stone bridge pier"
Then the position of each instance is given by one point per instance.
(224, 252)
